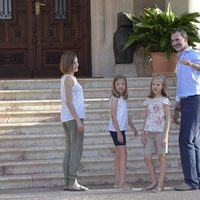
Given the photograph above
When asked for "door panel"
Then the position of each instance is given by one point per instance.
(32, 43)
(15, 47)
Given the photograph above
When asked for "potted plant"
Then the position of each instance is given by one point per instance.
(152, 31)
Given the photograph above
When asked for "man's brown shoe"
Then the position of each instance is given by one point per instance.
(183, 187)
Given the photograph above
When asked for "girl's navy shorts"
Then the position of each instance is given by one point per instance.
(114, 137)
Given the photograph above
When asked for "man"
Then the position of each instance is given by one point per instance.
(188, 103)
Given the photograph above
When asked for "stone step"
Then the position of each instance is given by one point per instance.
(55, 127)
(36, 140)
(32, 138)
(30, 105)
(50, 94)
(30, 116)
(94, 178)
(133, 163)
(42, 84)
(56, 152)
(47, 127)
(103, 103)
(87, 165)
(54, 115)
(40, 105)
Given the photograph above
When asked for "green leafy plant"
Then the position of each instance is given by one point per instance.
(152, 30)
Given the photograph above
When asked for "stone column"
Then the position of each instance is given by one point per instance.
(178, 7)
(97, 34)
(194, 6)
(103, 26)
(184, 6)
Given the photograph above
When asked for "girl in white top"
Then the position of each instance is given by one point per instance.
(118, 123)
(72, 116)
(156, 130)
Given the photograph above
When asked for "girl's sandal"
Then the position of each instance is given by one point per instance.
(157, 189)
(116, 186)
(150, 187)
(124, 186)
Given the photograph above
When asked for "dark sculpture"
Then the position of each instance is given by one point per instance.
(124, 26)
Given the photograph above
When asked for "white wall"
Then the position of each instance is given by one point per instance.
(103, 26)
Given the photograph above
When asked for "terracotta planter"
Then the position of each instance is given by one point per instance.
(142, 64)
(162, 65)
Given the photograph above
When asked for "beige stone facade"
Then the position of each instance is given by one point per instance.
(103, 26)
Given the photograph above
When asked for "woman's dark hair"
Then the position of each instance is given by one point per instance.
(67, 61)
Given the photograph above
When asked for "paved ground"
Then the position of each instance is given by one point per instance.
(107, 194)
(98, 193)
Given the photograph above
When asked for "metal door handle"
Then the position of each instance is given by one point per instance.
(37, 7)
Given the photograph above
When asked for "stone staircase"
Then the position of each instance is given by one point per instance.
(32, 139)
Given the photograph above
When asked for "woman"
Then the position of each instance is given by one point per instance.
(72, 116)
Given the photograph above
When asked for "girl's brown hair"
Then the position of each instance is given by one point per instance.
(114, 91)
(164, 84)
(67, 61)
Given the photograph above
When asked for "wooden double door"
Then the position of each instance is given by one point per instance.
(34, 34)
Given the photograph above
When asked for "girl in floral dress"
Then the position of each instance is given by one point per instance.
(156, 130)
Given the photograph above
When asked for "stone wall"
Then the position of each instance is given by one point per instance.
(103, 26)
